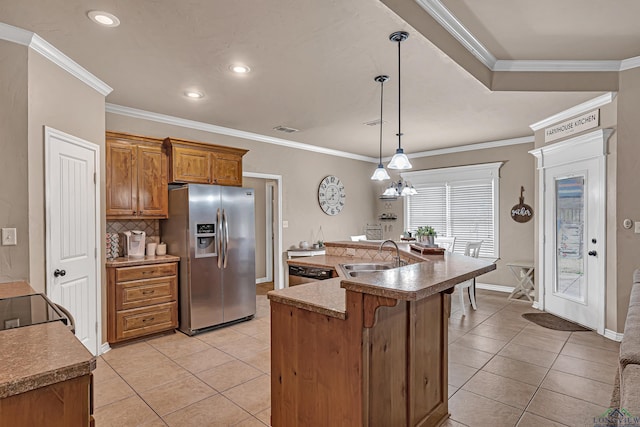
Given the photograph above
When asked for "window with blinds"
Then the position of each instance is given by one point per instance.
(460, 202)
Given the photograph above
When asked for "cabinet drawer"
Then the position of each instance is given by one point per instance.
(124, 274)
(147, 320)
(140, 293)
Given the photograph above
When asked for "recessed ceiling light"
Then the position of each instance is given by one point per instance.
(194, 94)
(105, 19)
(240, 69)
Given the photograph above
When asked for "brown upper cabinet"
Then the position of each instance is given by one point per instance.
(136, 177)
(201, 163)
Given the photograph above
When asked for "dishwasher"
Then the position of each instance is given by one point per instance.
(305, 274)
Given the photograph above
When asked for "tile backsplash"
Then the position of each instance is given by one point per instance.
(151, 227)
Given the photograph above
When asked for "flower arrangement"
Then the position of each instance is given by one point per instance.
(426, 234)
(426, 231)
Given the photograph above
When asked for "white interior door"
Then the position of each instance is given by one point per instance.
(72, 231)
(571, 267)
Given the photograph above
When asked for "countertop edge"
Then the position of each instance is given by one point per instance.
(34, 382)
(146, 260)
(305, 305)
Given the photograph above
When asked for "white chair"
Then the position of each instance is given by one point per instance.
(448, 243)
(472, 249)
(358, 238)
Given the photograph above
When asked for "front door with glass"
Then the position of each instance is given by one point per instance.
(572, 270)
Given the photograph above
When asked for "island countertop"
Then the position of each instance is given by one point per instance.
(39, 355)
(425, 276)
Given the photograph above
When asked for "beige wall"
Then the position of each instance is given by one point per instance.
(258, 185)
(14, 204)
(628, 200)
(301, 173)
(61, 101)
(608, 120)
(516, 239)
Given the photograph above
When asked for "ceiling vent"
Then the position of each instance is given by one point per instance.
(375, 122)
(285, 129)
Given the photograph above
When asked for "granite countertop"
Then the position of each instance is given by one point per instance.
(429, 274)
(15, 289)
(39, 355)
(146, 260)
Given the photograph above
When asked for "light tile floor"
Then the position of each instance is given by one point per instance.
(503, 371)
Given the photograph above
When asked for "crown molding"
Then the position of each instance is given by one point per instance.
(469, 147)
(574, 111)
(449, 22)
(629, 63)
(440, 13)
(50, 52)
(556, 66)
(207, 127)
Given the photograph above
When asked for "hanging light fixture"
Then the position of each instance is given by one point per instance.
(380, 174)
(399, 160)
(399, 189)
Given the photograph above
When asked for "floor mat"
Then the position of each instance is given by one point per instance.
(549, 321)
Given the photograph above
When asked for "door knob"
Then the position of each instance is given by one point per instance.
(59, 273)
(593, 253)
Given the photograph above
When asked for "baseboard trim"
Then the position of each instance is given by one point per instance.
(612, 335)
(104, 348)
(262, 280)
(536, 305)
(496, 288)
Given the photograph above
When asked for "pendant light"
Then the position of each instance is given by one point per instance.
(380, 174)
(399, 160)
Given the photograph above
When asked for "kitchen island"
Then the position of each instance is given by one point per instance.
(45, 373)
(369, 350)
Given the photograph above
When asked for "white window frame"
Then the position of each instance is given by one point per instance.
(457, 174)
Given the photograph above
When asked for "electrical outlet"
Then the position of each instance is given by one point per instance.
(12, 323)
(637, 227)
(285, 224)
(9, 237)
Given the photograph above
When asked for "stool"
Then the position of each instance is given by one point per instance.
(523, 272)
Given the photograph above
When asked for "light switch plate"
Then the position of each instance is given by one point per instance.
(637, 227)
(9, 237)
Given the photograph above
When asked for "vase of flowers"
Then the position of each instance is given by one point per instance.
(426, 235)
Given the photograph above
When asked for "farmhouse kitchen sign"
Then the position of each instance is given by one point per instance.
(521, 212)
(576, 125)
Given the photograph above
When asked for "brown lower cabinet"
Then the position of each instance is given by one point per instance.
(141, 300)
(64, 404)
(384, 365)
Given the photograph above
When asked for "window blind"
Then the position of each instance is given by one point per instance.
(457, 202)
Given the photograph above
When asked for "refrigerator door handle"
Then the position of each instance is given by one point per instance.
(219, 238)
(226, 236)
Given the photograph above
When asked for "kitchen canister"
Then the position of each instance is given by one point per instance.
(161, 249)
(151, 249)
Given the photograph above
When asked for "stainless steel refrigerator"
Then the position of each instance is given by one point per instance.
(212, 229)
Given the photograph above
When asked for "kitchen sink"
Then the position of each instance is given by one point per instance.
(361, 272)
(369, 267)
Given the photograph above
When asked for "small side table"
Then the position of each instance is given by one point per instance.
(523, 272)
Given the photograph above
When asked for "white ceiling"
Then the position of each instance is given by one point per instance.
(313, 63)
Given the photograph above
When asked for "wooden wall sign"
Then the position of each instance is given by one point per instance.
(522, 212)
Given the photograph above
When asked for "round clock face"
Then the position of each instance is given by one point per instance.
(331, 195)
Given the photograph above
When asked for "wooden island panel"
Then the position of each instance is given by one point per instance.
(329, 371)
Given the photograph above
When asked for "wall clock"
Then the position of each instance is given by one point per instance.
(331, 195)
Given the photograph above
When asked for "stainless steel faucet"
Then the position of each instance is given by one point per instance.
(396, 259)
